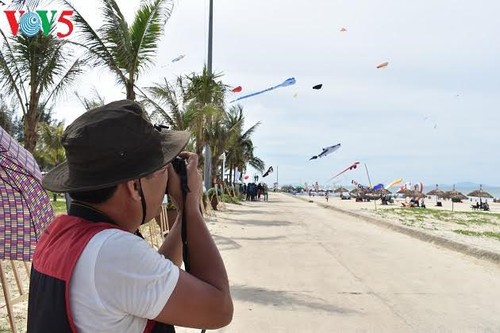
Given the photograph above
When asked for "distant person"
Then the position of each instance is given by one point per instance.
(326, 196)
(260, 191)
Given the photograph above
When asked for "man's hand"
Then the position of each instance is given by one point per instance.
(193, 177)
(174, 187)
(194, 181)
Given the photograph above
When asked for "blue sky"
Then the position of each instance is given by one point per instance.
(431, 115)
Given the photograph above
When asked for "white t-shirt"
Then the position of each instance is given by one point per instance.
(118, 282)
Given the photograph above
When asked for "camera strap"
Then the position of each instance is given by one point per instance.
(185, 189)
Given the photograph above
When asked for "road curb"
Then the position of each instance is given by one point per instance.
(440, 241)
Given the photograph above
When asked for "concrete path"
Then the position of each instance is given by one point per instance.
(298, 267)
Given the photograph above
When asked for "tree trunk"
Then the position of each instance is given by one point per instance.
(230, 182)
(30, 129)
(201, 158)
(130, 90)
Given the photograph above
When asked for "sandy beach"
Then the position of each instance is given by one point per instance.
(301, 266)
(445, 222)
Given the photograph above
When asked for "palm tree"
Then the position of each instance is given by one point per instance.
(186, 104)
(205, 96)
(238, 143)
(126, 50)
(194, 102)
(168, 103)
(35, 70)
(92, 102)
(7, 117)
(49, 150)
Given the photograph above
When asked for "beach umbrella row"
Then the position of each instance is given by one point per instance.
(452, 194)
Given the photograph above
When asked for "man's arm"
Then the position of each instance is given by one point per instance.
(172, 245)
(201, 297)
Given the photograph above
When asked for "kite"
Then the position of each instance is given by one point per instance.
(350, 167)
(394, 182)
(318, 86)
(378, 187)
(237, 89)
(295, 95)
(268, 171)
(343, 30)
(382, 65)
(326, 151)
(358, 185)
(178, 58)
(405, 186)
(428, 118)
(419, 187)
(286, 83)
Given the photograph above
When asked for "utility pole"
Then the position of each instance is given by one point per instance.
(370, 184)
(210, 36)
(208, 155)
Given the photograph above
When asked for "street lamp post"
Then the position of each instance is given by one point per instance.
(210, 36)
(208, 156)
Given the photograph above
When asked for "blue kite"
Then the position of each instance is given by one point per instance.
(286, 83)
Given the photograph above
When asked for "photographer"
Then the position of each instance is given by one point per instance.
(91, 272)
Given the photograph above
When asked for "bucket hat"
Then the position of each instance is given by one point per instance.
(112, 144)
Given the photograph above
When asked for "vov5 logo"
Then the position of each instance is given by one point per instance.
(30, 23)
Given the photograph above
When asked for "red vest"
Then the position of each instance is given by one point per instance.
(54, 261)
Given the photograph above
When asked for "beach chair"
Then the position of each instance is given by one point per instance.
(475, 207)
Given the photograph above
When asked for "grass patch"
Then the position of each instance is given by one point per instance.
(59, 206)
(495, 235)
(409, 215)
(231, 199)
(489, 234)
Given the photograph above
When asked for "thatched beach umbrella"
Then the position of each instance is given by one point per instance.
(406, 192)
(454, 195)
(382, 191)
(340, 190)
(480, 193)
(373, 195)
(437, 192)
(356, 192)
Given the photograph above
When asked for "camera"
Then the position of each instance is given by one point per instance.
(179, 165)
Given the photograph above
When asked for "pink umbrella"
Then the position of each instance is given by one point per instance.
(25, 209)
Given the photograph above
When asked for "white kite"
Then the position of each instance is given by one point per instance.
(326, 151)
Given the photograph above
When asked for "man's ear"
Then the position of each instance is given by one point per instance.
(133, 189)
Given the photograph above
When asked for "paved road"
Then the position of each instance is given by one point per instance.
(297, 267)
